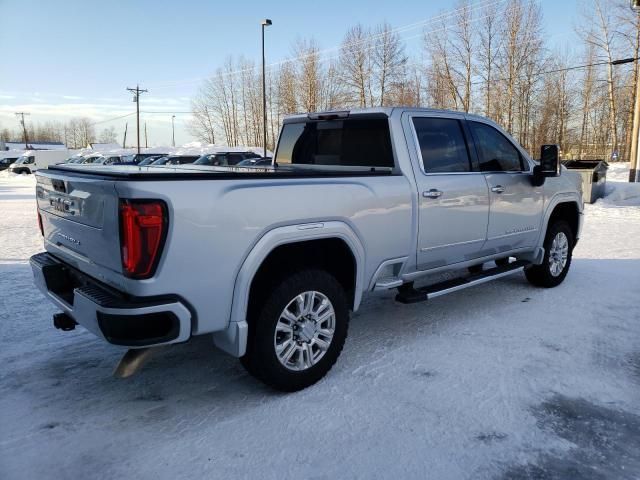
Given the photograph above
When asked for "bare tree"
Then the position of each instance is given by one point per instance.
(388, 59)
(309, 74)
(603, 38)
(108, 135)
(489, 46)
(355, 66)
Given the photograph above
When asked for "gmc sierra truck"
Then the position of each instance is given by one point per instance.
(271, 261)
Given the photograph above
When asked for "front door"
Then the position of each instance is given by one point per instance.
(453, 199)
(515, 205)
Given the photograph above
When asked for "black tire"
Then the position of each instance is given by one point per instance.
(261, 359)
(541, 275)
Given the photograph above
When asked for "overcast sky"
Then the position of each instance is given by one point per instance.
(76, 57)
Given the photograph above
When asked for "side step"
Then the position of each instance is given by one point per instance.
(408, 294)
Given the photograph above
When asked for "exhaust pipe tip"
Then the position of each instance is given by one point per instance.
(133, 360)
(64, 322)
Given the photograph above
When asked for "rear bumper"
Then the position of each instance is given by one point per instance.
(118, 318)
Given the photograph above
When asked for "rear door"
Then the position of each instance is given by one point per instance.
(515, 205)
(453, 197)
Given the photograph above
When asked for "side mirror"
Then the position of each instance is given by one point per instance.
(549, 164)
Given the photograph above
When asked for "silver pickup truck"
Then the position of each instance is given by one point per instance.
(271, 261)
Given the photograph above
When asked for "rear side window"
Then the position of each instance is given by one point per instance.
(350, 142)
(442, 145)
(497, 153)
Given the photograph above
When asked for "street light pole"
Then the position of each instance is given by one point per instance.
(265, 23)
(173, 131)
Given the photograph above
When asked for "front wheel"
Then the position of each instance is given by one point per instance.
(298, 331)
(558, 249)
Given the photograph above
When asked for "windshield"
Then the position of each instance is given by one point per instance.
(93, 160)
(147, 160)
(210, 159)
(20, 160)
(160, 161)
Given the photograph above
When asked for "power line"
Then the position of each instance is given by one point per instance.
(565, 69)
(114, 118)
(423, 23)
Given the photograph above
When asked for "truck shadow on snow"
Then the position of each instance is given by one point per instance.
(605, 442)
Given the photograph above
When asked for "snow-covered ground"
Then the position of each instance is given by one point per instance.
(499, 381)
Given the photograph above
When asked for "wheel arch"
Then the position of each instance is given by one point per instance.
(270, 249)
(566, 207)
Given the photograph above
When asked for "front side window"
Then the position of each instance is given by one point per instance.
(442, 145)
(350, 142)
(497, 153)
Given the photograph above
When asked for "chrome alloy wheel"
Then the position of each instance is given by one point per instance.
(558, 254)
(304, 331)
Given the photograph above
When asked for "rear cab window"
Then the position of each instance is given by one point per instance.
(357, 142)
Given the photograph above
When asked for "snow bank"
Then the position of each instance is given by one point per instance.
(10, 178)
(619, 192)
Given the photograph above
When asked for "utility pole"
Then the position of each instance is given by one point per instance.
(173, 131)
(634, 158)
(136, 98)
(265, 23)
(124, 142)
(146, 145)
(634, 161)
(24, 128)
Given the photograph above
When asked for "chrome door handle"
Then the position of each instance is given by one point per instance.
(433, 193)
(497, 189)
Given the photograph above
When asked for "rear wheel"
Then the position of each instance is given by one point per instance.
(558, 246)
(298, 331)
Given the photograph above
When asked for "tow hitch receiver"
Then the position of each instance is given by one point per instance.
(64, 322)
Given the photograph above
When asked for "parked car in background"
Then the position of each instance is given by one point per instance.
(256, 162)
(75, 160)
(271, 261)
(175, 160)
(6, 162)
(142, 158)
(149, 160)
(223, 159)
(33, 160)
(94, 159)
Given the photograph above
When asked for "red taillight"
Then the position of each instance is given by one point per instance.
(40, 224)
(143, 224)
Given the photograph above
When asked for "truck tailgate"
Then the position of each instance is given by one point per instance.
(80, 219)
